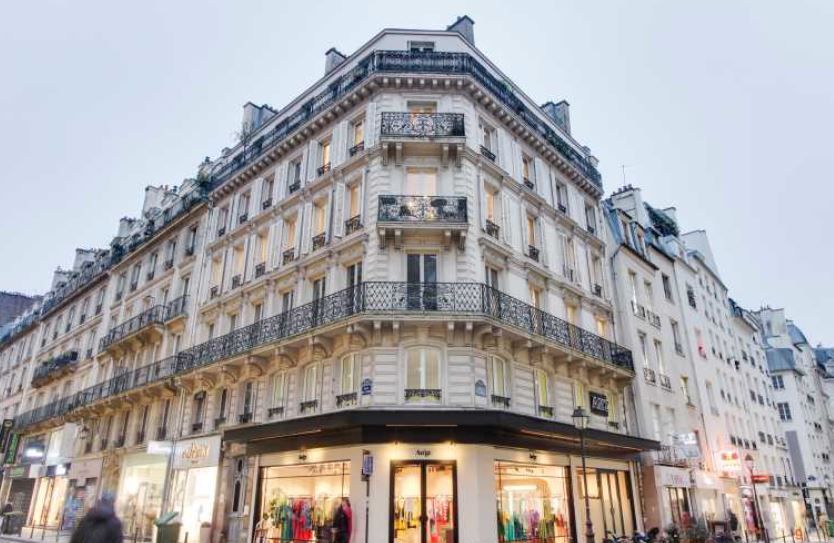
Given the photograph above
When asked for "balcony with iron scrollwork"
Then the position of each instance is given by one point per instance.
(444, 133)
(399, 214)
(145, 327)
(670, 456)
(465, 303)
(54, 368)
(353, 224)
(176, 312)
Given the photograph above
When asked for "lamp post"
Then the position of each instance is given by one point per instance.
(749, 462)
(580, 420)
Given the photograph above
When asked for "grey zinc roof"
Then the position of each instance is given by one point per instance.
(781, 360)
(797, 337)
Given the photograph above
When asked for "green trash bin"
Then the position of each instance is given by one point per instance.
(168, 528)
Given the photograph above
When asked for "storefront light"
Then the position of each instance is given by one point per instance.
(33, 452)
(60, 469)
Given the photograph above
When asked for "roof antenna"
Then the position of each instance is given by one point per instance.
(624, 166)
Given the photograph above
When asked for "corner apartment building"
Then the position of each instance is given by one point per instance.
(701, 377)
(802, 396)
(391, 290)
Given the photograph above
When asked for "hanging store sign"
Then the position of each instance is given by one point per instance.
(4, 431)
(160, 447)
(729, 461)
(367, 464)
(197, 453)
(16, 472)
(598, 403)
(11, 449)
(761, 478)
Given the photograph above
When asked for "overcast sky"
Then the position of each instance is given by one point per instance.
(722, 109)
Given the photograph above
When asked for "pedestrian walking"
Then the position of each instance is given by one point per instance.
(100, 524)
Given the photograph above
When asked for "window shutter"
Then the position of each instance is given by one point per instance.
(276, 244)
(338, 143)
(578, 394)
(307, 228)
(483, 203)
(328, 209)
(524, 241)
(339, 205)
(563, 242)
(370, 125)
(281, 180)
(505, 219)
(362, 195)
(299, 223)
(541, 180)
(612, 406)
(543, 244)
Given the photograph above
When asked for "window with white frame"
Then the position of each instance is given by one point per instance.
(543, 389)
(349, 373)
(311, 375)
(498, 376)
(423, 369)
(247, 404)
(279, 385)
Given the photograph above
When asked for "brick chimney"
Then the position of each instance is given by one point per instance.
(332, 59)
(560, 113)
(465, 27)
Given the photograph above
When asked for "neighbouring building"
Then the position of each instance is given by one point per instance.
(390, 297)
(13, 304)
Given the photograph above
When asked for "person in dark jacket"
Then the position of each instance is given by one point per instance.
(100, 524)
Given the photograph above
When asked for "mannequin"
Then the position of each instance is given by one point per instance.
(343, 522)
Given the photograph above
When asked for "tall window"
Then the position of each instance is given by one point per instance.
(489, 140)
(676, 336)
(778, 382)
(685, 389)
(262, 247)
(289, 234)
(266, 190)
(248, 403)
(561, 197)
(237, 260)
(318, 218)
(295, 172)
(532, 240)
(526, 168)
(658, 351)
(243, 205)
(543, 388)
(279, 381)
(535, 297)
(490, 205)
(349, 374)
(784, 410)
(222, 403)
(644, 350)
(198, 409)
(358, 132)
(423, 368)
(491, 277)
(667, 287)
(498, 376)
(421, 182)
(325, 154)
(571, 314)
(353, 201)
(311, 373)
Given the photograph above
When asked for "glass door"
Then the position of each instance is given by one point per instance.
(421, 274)
(424, 503)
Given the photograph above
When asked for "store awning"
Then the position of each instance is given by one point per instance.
(369, 426)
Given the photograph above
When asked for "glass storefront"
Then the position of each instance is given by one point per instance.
(424, 503)
(679, 505)
(610, 500)
(307, 502)
(193, 497)
(533, 503)
(140, 493)
(81, 497)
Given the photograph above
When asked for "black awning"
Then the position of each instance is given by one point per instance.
(374, 426)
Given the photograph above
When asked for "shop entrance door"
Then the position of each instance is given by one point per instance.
(424, 502)
(610, 500)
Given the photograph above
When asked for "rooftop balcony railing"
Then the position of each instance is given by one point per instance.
(420, 209)
(422, 125)
(429, 62)
(369, 298)
(149, 317)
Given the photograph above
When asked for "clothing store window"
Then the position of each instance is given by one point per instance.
(307, 502)
(533, 502)
(424, 508)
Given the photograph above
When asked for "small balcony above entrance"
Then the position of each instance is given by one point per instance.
(446, 216)
(422, 133)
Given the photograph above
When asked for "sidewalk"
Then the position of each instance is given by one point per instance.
(37, 536)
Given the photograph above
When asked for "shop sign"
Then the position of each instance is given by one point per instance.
(674, 477)
(11, 449)
(480, 388)
(729, 461)
(367, 464)
(85, 469)
(599, 403)
(160, 447)
(4, 431)
(761, 478)
(197, 453)
(16, 472)
(367, 386)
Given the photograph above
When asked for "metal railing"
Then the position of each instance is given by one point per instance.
(369, 298)
(437, 209)
(154, 315)
(669, 456)
(431, 62)
(353, 224)
(176, 307)
(53, 367)
(422, 125)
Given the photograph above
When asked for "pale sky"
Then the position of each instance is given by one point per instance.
(722, 109)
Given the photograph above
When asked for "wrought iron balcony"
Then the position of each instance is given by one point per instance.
(664, 380)
(464, 300)
(295, 185)
(148, 318)
(500, 401)
(260, 269)
(529, 184)
(288, 256)
(266, 204)
(54, 368)
(598, 290)
(176, 307)
(669, 456)
(237, 280)
(344, 400)
(533, 252)
(422, 209)
(353, 224)
(404, 62)
(545, 411)
(244, 418)
(492, 229)
(319, 241)
(275, 411)
(423, 394)
(309, 405)
(422, 125)
(650, 375)
(243, 218)
(323, 169)
(562, 207)
(487, 153)
(358, 148)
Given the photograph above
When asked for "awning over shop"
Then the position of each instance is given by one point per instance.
(471, 427)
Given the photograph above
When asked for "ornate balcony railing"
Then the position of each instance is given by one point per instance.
(176, 307)
(488, 153)
(422, 125)
(53, 368)
(431, 209)
(154, 315)
(379, 62)
(669, 456)
(288, 256)
(358, 148)
(319, 241)
(353, 224)
(369, 298)
(492, 229)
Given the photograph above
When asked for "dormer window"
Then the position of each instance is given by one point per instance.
(421, 46)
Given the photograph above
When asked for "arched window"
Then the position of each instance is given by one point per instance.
(422, 372)
(349, 373)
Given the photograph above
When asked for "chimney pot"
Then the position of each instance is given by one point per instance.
(465, 27)
(332, 59)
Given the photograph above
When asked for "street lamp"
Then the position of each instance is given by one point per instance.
(749, 462)
(580, 420)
